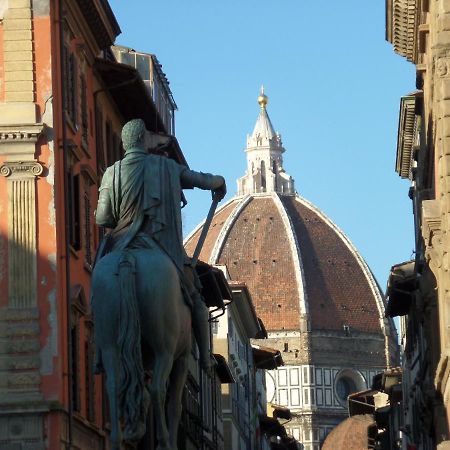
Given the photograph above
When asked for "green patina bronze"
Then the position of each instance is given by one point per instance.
(144, 295)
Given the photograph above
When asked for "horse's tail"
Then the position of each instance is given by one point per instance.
(133, 396)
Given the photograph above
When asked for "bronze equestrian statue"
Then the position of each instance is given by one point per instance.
(144, 300)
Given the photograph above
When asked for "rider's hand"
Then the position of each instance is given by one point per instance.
(220, 192)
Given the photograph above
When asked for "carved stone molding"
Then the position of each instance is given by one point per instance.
(20, 139)
(21, 169)
(431, 232)
(442, 65)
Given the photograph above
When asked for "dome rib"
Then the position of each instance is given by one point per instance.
(296, 256)
(362, 263)
(191, 240)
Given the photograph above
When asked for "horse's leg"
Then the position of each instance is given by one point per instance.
(158, 391)
(111, 364)
(174, 407)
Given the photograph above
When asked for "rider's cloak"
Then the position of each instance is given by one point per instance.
(142, 193)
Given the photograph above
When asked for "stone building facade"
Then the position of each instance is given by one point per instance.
(63, 102)
(243, 400)
(419, 30)
(319, 301)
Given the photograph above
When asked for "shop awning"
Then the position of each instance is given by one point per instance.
(223, 370)
(215, 286)
(361, 402)
(284, 443)
(270, 426)
(281, 412)
(402, 284)
(266, 358)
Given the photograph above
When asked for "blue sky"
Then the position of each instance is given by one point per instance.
(334, 86)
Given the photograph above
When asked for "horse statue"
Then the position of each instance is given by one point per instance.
(143, 307)
(147, 312)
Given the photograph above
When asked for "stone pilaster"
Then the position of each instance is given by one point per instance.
(19, 327)
(21, 232)
(21, 401)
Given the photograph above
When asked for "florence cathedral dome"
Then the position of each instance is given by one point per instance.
(318, 299)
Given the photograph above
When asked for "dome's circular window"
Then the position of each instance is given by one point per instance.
(348, 381)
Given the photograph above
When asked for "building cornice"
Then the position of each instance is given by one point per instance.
(101, 21)
(18, 141)
(406, 139)
(402, 24)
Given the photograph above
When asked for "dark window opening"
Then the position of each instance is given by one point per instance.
(70, 80)
(73, 185)
(87, 229)
(89, 381)
(101, 163)
(110, 150)
(75, 388)
(84, 111)
(263, 176)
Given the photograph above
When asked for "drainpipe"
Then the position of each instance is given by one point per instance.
(67, 227)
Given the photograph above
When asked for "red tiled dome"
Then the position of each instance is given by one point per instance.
(295, 262)
(351, 434)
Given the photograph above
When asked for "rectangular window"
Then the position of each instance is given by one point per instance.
(143, 66)
(99, 141)
(319, 394)
(328, 397)
(294, 379)
(110, 151)
(295, 397)
(282, 377)
(315, 432)
(319, 377)
(70, 88)
(283, 397)
(84, 112)
(128, 58)
(117, 147)
(87, 229)
(73, 186)
(306, 396)
(305, 375)
(74, 365)
(89, 380)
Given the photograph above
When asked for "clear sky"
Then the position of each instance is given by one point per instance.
(334, 86)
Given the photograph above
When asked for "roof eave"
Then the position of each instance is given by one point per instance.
(101, 21)
(406, 137)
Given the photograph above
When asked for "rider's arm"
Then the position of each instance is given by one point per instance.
(191, 179)
(104, 215)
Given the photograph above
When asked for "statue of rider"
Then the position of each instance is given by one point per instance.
(140, 201)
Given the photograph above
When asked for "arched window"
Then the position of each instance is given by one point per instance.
(275, 170)
(263, 176)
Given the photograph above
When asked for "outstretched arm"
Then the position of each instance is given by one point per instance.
(215, 183)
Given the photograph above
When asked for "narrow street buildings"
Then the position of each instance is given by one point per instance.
(418, 290)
